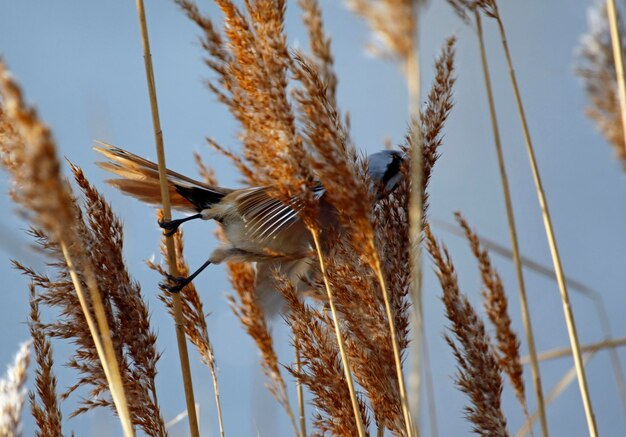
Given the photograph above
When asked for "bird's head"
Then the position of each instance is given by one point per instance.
(385, 171)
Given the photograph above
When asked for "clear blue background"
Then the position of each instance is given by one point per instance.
(81, 63)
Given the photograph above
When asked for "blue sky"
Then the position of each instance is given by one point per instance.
(81, 64)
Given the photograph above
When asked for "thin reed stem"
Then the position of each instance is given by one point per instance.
(167, 213)
(342, 349)
(218, 403)
(534, 368)
(411, 430)
(558, 268)
(554, 393)
(567, 351)
(300, 391)
(416, 211)
(101, 335)
(618, 59)
(430, 389)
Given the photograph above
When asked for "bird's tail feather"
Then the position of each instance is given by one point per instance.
(140, 178)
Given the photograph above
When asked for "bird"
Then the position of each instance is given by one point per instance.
(257, 226)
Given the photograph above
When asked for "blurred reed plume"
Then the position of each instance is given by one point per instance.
(13, 393)
(596, 68)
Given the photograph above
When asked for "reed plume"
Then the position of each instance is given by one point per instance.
(13, 393)
(596, 68)
(29, 154)
(478, 375)
(98, 229)
(44, 403)
(495, 303)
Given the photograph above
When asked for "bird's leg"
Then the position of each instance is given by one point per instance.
(171, 226)
(179, 282)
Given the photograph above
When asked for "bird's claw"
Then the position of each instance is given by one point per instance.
(170, 227)
(174, 283)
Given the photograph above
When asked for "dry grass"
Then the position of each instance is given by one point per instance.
(496, 304)
(479, 375)
(348, 311)
(596, 68)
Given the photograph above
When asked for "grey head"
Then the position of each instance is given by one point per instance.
(385, 172)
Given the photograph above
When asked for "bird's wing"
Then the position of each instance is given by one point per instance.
(140, 178)
(265, 216)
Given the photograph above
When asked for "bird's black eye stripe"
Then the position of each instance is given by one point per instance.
(392, 169)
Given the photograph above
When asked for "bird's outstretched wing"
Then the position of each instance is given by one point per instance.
(265, 216)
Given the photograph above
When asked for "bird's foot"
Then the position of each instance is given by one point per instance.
(175, 283)
(170, 227)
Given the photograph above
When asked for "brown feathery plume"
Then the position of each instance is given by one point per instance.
(127, 313)
(320, 366)
(433, 116)
(192, 309)
(13, 394)
(596, 68)
(46, 200)
(46, 410)
(319, 43)
(479, 375)
(496, 307)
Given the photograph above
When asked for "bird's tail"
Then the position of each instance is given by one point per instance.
(140, 178)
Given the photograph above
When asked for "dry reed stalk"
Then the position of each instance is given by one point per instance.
(567, 351)
(491, 9)
(42, 192)
(479, 375)
(299, 389)
(171, 251)
(554, 393)
(13, 393)
(340, 341)
(193, 313)
(618, 59)
(496, 306)
(530, 337)
(597, 67)
(44, 403)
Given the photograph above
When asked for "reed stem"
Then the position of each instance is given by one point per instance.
(411, 430)
(513, 234)
(300, 391)
(413, 77)
(567, 351)
(167, 214)
(342, 349)
(103, 343)
(618, 58)
(558, 268)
